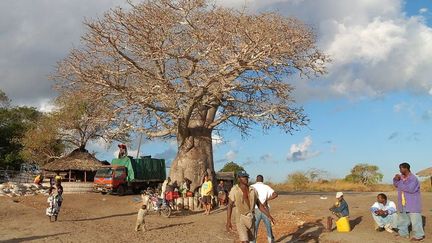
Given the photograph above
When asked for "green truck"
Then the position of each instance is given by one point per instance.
(129, 174)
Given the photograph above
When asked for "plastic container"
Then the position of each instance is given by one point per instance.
(343, 225)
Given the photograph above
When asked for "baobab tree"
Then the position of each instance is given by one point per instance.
(182, 68)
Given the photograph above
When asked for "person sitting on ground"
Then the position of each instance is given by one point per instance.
(339, 209)
(384, 214)
(140, 222)
(206, 192)
(39, 179)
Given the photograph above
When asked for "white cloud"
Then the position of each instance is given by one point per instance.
(231, 155)
(375, 49)
(216, 139)
(423, 10)
(302, 151)
(45, 105)
(100, 144)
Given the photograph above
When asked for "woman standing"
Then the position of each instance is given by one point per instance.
(55, 200)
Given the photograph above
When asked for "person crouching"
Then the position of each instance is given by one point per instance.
(140, 222)
(339, 209)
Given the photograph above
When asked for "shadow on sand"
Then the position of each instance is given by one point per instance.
(104, 217)
(310, 231)
(170, 225)
(355, 222)
(30, 238)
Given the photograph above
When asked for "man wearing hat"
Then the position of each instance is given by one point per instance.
(340, 209)
(244, 198)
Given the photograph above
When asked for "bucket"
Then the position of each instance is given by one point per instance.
(343, 225)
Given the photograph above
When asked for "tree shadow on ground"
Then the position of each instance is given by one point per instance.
(355, 222)
(30, 238)
(104, 217)
(170, 225)
(303, 232)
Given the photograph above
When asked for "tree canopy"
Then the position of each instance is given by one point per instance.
(182, 68)
(14, 122)
(365, 173)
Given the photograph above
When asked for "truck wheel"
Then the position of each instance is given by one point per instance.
(103, 193)
(121, 190)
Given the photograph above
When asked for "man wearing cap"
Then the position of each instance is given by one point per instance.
(244, 198)
(339, 209)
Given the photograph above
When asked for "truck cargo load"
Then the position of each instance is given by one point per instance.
(142, 169)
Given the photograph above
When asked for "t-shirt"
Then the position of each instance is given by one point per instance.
(390, 206)
(241, 206)
(264, 192)
(206, 188)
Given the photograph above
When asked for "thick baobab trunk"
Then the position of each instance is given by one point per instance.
(194, 156)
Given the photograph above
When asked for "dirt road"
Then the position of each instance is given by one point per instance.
(99, 218)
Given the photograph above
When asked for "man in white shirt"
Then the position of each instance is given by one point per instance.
(384, 214)
(265, 194)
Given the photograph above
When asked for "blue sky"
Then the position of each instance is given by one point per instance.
(374, 105)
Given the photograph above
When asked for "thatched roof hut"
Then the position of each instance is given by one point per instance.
(80, 162)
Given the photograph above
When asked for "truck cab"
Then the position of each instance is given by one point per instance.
(111, 179)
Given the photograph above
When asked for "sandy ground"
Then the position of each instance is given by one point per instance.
(98, 218)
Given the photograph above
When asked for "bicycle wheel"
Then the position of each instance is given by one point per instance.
(165, 211)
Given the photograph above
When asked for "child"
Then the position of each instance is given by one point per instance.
(140, 223)
(339, 209)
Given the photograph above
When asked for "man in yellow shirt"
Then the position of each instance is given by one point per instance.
(206, 191)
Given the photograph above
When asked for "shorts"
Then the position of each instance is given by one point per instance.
(206, 199)
(246, 227)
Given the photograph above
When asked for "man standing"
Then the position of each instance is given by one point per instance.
(265, 194)
(384, 213)
(244, 198)
(409, 203)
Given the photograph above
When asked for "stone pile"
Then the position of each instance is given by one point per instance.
(12, 189)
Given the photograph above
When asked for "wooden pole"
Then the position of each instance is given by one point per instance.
(85, 176)
(70, 175)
